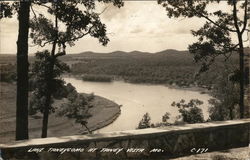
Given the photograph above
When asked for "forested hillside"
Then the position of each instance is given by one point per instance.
(166, 67)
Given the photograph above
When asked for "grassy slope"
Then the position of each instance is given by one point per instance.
(58, 126)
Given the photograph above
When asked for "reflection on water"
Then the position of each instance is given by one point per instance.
(137, 99)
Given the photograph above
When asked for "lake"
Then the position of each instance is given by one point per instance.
(137, 99)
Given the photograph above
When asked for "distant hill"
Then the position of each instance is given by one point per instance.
(126, 54)
(89, 54)
(171, 51)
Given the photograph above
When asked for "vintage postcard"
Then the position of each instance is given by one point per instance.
(124, 79)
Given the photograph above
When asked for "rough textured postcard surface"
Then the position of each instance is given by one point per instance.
(124, 79)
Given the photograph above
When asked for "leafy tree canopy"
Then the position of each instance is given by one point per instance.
(76, 19)
(215, 37)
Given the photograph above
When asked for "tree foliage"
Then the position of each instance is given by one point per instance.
(225, 104)
(165, 117)
(43, 32)
(145, 122)
(39, 77)
(190, 112)
(77, 23)
(173, 69)
(215, 37)
(77, 109)
(76, 19)
(7, 9)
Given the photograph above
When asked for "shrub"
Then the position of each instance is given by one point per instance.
(190, 113)
(145, 122)
(165, 117)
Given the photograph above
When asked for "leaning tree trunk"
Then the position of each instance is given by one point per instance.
(22, 72)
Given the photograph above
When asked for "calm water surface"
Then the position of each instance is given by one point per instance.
(137, 99)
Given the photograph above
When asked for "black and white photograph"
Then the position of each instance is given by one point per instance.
(124, 80)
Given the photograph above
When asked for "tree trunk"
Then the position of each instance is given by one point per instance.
(242, 77)
(47, 106)
(241, 58)
(22, 72)
(242, 74)
(231, 113)
(89, 131)
(49, 80)
(46, 110)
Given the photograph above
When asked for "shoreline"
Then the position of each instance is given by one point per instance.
(105, 122)
(104, 112)
(201, 90)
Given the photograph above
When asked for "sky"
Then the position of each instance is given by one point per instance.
(138, 25)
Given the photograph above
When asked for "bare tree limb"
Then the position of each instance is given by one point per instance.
(246, 39)
(84, 34)
(235, 16)
(213, 22)
(103, 10)
(222, 27)
(33, 12)
(42, 45)
(245, 17)
(230, 51)
(40, 4)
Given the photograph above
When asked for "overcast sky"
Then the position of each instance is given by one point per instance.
(139, 25)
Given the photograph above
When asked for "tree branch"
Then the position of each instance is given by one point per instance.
(40, 4)
(210, 20)
(235, 17)
(60, 54)
(227, 57)
(42, 45)
(103, 10)
(222, 27)
(33, 12)
(231, 51)
(56, 37)
(84, 34)
(246, 39)
(245, 18)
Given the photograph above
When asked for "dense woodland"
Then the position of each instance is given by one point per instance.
(167, 67)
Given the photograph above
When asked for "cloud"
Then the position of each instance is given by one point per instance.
(138, 29)
(139, 25)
